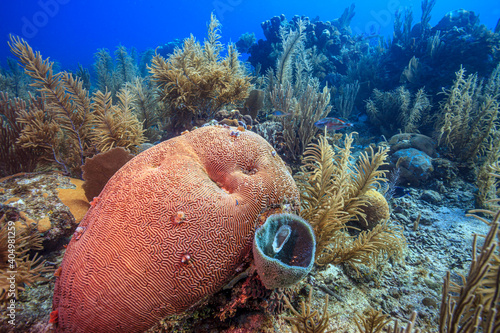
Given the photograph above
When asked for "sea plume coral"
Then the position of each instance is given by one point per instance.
(196, 81)
(28, 268)
(468, 118)
(14, 158)
(171, 227)
(332, 191)
(68, 126)
(293, 91)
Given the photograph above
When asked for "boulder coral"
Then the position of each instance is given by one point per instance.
(171, 227)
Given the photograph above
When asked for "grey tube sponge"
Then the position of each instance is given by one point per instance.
(283, 250)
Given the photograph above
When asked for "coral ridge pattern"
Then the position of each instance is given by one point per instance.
(171, 227)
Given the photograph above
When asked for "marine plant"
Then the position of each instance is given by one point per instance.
(331, 188)
(104, 68)
(146, 107)
(397, 109)
(345, 97)
(468, 115)
(295, 93)
(308, 321)
(195, 81)
(487, 180)
(84, 75)
(14, 81)
(115, 125)
(298, 125)
(474, 304)
(69, 125)
(13, 157)
(372, 321)
(29, 268)
(145, 61)
(125, 66)
(113, 74)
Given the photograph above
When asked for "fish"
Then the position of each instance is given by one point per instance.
(332, 124)
(278, 113)
(400, 192)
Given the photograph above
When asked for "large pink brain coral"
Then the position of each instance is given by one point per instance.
(171, 227)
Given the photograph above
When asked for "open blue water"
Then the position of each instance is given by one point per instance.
(71, 31)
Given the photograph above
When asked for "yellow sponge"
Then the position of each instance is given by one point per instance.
(376, 209)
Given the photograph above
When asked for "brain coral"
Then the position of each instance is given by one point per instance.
(171, 227)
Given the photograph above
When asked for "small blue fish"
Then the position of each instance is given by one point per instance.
(400, 192)
(278, 113)
(332, 124)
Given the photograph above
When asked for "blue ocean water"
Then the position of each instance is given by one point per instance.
(71, 31)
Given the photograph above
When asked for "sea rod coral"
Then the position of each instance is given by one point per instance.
(171, 227)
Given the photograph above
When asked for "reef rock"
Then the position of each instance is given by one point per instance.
(413, 140)
(171, 227)
(415, 166)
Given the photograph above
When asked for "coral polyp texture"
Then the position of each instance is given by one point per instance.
(171, 227)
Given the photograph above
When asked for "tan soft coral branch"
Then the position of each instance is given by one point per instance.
(67, 123)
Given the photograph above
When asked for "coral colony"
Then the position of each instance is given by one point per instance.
(321, 186)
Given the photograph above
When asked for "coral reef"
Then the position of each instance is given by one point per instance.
(115, 125)
(18, 269)
(417, 55)
(345, 98)
(192, 230)
(458, 39)
(478, 302)
(294, 93)
(245, 42)
(182, 229)
(147, 109)
(254, 103)
(43, 224)
(14, 81)
(331, 41)
(416, 167)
